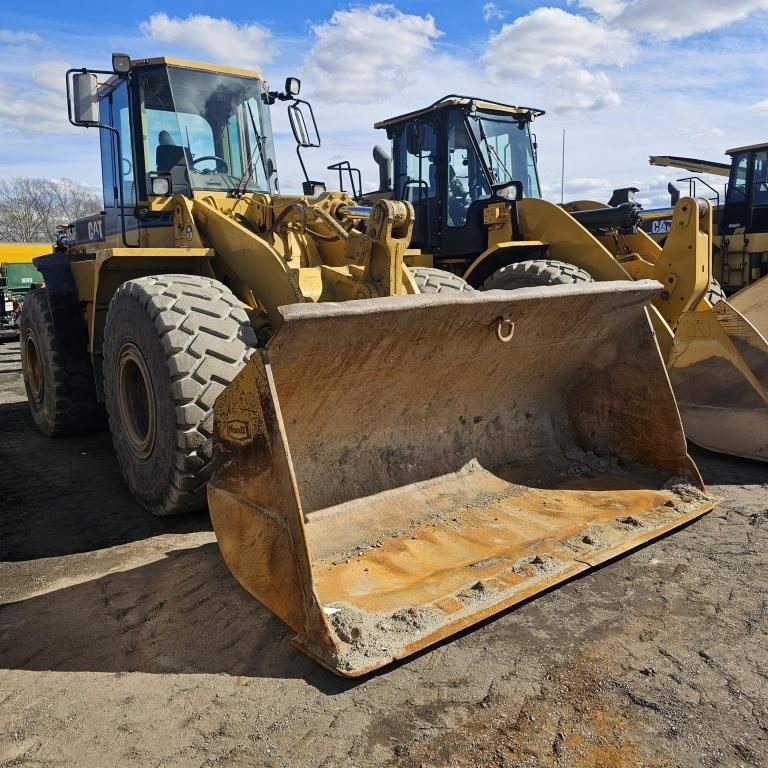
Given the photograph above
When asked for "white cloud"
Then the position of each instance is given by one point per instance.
(492, 12)
(705, 134)
(580, 90)
(9, 36)
(31, 111)
(551, 38)
(559, 48)
(608, 9)
(247, 45)
(674, 19)
(760, 107)
(363, 54)
(49, 75)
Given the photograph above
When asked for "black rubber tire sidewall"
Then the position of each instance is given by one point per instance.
(36, 319)
(68, 405)
(148, 478)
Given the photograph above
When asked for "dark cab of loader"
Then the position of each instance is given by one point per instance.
(746, 198)
(450, 159)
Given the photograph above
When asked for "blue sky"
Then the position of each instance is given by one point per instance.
(624, 78)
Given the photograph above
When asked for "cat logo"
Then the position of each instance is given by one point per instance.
(238, 430)
(661, 227)
(94, 230)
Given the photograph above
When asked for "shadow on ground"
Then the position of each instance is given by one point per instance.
(64, 496)
(720, 469)
(181, 614)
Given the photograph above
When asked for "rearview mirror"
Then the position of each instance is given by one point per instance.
(305, 137)
(85, 103)
(414, 138)
(509, 190)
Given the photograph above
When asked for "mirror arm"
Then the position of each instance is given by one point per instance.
(301, 162)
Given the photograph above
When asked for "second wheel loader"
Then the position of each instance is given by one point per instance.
(387, 457)
(468, 167)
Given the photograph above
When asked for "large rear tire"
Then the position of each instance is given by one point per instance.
(60, 387)
(715, 293)
(537, 272)
(172, 343)
(431, 280)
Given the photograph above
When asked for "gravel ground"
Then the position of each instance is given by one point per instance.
(124, 641)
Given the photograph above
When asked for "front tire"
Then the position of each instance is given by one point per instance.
(172, 343)
(534, 273)
(431, 280)
(59, 382)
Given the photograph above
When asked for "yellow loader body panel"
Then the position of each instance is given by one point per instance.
(716, 354)
(388, 472)
(719, 369)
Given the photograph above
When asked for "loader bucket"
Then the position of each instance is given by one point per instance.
(719, 369)
(388, 472)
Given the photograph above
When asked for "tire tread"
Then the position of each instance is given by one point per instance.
(199, 323)
(536, 272)
(431, 280)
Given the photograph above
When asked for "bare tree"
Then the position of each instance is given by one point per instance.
(31, 209)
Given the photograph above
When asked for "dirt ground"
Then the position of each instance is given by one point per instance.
(124, 641)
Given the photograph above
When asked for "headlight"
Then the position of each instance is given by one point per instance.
(161, 185)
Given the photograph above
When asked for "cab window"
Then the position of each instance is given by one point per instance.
(760, 178)
(466, 181)
(118, 175)
(737, 187)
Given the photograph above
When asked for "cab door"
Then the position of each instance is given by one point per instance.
(416, 179)
(736, 208)
(758, 197)
(117, 167)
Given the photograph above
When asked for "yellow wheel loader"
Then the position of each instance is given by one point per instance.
(388, 457)
(468, 167)
(740, 241)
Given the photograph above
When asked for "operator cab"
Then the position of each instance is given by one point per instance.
(451, 158)
(169, 127)
(746, 199)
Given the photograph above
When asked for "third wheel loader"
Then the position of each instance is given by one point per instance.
(468, 168)
(387, 457)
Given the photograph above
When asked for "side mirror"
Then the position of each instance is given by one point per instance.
(312, 188)
(622, 195)
(509, 190)
(674, 194)
(292, 87)
(414, 138)
(84, 102)
(301, 132)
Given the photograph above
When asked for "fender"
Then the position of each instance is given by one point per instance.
(67, 311)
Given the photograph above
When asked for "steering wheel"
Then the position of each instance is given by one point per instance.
(221, 164)
(127, 162)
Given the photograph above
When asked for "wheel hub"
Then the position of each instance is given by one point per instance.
(136, 400)
(34, 367)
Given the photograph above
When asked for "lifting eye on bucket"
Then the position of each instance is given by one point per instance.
(505, 329)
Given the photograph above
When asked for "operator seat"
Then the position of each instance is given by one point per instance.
(168, 152)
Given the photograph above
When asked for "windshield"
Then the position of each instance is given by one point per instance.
(209, 131)
(505, 144)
